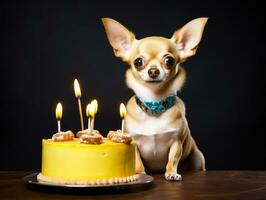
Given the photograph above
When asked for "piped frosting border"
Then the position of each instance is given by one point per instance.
(111, 181)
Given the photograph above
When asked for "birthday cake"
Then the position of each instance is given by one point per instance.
(88, 158)
(74, 162)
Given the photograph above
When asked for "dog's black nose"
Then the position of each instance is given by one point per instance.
(153, 72)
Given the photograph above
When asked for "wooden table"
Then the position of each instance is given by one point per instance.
(218, 185)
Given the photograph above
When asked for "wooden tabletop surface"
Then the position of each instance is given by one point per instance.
(218, 185)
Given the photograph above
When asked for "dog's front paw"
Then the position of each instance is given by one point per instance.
(173, 176)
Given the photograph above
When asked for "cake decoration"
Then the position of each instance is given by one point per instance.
(89, 112)
(94, 104)
(118, 136)
(78, 96)
(90, 136)
(61, 135)
(58, 115)
(108, 181)
(123, 112)
(93, 137)
(80, 133)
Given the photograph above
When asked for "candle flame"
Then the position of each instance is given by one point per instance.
(95, 104)
(92, 110)
(123, 110)
(88, 110)
(59, 111)
(77, 88)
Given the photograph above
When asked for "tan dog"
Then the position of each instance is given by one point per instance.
(156, 116)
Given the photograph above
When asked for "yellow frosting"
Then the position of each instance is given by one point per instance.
(75, 161)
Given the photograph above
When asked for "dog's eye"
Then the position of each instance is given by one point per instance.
(169, 61)
(138, 62)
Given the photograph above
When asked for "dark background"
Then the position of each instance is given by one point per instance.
(44, 46)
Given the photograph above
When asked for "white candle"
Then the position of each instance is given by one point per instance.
(123, 112)
(78, 96)
(94, 103)
(58, 114)
(89, 117)
(92, 115)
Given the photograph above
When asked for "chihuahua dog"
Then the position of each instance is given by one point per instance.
(156, 116)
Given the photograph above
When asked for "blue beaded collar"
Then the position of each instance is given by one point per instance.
(156, 108)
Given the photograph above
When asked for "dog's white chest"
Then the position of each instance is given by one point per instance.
(154, 149)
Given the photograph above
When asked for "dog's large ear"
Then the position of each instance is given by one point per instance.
(188, 37)
(119, 37)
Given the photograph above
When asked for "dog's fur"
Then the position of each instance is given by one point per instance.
(163, 141)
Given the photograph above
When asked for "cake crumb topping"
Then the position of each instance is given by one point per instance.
(118, 136)
(63, 136)
(86, 131)
(93, 137)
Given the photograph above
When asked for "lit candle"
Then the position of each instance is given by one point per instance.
(90, 113)
(78, 96)
(58, 115)
(88, 108)
(94, 103)
(92, 110)
(123, 112)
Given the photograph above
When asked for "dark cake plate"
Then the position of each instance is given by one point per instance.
(144, 182)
